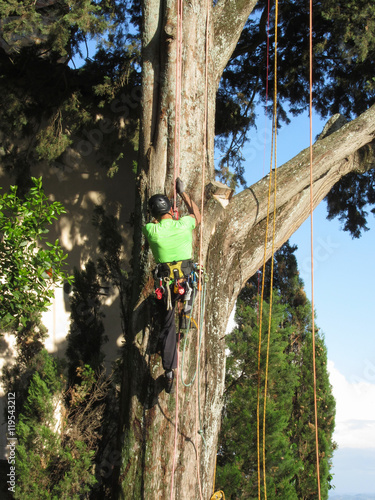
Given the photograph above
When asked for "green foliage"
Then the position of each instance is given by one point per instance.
(238, 443)
(30, 266)
(302, 422)
(50, 465)
(289, 431)
(50, 25)
(343, 68)
(350, 199)
(45, 105)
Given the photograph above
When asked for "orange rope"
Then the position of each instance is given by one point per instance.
(267, 73)
(312, 256)
(176, 418)
(200, 260)
(177, 131)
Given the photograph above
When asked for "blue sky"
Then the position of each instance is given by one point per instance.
(344, 278)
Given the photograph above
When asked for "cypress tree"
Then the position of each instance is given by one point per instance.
(290, 431)
(237, 457)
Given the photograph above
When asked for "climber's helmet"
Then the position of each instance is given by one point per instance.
(159, 204)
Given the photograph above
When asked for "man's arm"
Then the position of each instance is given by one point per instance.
(192, 207)
(190, 204)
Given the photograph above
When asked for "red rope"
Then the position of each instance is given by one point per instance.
(197, 410)
(177, 129)
(177, 135)
(176, 174)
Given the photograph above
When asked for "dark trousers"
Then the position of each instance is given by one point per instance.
(168, 335)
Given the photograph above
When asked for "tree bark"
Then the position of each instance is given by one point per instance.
(233, 246)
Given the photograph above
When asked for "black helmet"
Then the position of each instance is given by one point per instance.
(159, 205)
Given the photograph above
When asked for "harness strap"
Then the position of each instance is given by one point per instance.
(168, 269)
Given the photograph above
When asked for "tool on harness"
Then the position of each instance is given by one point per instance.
(160, 290)
(188, 292)
(178, 288)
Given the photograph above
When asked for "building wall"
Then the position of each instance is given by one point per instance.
(80, 184)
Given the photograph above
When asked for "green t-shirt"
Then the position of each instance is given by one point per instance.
(171, 240)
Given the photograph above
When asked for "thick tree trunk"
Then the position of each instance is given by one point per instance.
(233, 241)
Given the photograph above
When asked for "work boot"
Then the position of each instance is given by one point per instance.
(169, 377)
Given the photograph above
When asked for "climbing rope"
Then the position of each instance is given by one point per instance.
(176, 420)
(176, 174)
(312, 255)
(177, 129)
(274, 141)
(272, 252)
(177, 133)
(216, 495)
(271, 175)
(200, 260)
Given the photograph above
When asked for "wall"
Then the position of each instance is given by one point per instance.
(80, 184)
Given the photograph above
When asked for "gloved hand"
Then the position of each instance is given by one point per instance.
(180, 188)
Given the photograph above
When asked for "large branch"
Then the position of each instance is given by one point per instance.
(240, 234)
(230, 17)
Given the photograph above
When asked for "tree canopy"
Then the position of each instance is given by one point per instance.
(41, 38)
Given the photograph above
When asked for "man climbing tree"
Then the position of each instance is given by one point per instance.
(171, 242)
(204, 57)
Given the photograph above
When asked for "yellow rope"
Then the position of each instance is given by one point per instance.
(272, 252)
(260, 331)
(274, 145)
(312, 257)
(260, 340)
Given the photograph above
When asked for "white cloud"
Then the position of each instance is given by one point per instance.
(355, 410)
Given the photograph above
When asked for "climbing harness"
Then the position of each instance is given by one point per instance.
(183, 268)
(168, 273)
(183, 276)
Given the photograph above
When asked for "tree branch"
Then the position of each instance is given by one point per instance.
(230, 17)
(241, 231)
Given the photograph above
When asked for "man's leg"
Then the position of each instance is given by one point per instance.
(168, 336)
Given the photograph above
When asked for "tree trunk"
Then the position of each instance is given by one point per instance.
(233, 246)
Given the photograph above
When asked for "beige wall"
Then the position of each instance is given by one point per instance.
(79, 187)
